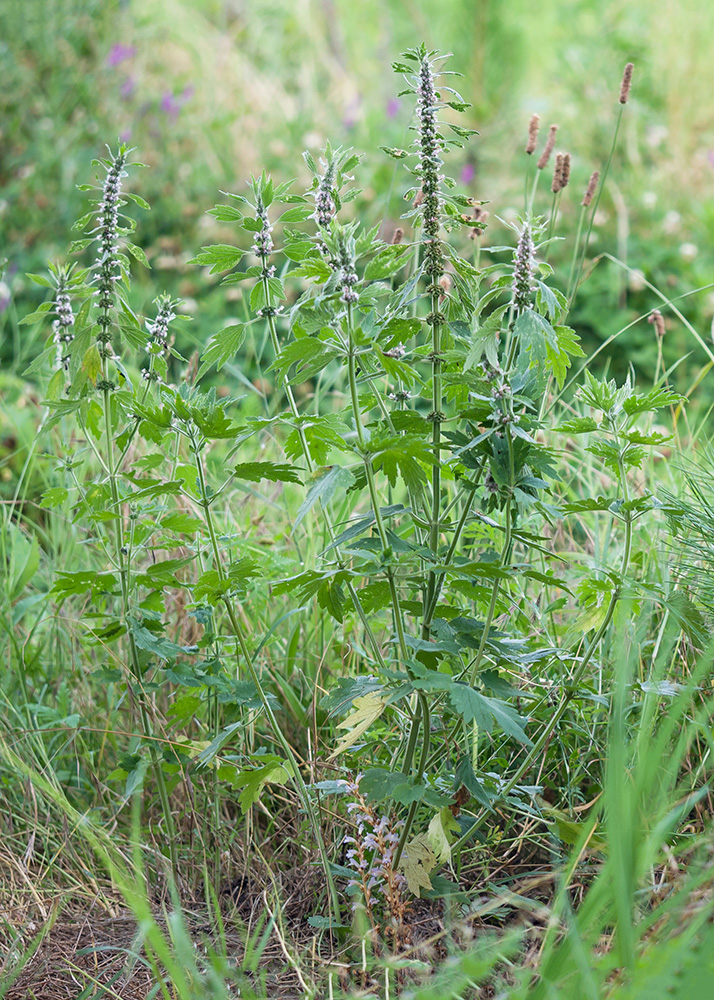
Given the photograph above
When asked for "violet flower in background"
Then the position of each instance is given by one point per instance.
(468, 173)
(392, 107)
(171, 103)
(119, 53)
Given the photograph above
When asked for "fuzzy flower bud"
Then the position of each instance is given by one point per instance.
(591, 189)
(657, 319)
(565, 175)
(626, 84)
(532, 134)
(549, 147)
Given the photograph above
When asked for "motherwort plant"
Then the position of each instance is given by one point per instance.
(413, 392)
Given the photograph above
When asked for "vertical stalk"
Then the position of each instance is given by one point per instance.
(133, 651)
(351, 589)
(394, 594)
(300, 786)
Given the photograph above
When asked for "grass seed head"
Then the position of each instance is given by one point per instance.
(626, 84)
(532, 134)
(549, 147)
(590, 189)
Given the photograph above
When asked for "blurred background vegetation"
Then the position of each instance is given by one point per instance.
(209, 91)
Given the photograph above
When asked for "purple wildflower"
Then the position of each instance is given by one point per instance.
(119, 53)
(468, 173)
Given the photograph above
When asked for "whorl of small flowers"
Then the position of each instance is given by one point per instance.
(549, 147)
(397, 352)
(63, 326)
(399, 395)
(159, 329)
(263, 246)
(107, 263)
(324, 202)
(347, 274)
(523, 268)
(590, 189)
(532, 134)
(626, 84)
(430, 146)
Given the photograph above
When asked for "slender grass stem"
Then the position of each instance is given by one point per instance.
(601, 187)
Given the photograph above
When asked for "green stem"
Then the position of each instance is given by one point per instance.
(424, 719)
(601, 188)
(576, 251)
(133, 651)
(573, 686)
(305, 447)
(369, 471)
(300, 786)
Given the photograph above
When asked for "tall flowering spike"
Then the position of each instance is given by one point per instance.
(430, 147)
(345, 261)
(107, 263)
(523, 269)
(159, 329)
(263, 246)
(324, 199)
(63, 326)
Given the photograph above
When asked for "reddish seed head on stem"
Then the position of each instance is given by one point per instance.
(532, 134)
(590, 189)
(626, 84)
(398, 236)
(565, 175)
(557, 174)
(549, 146)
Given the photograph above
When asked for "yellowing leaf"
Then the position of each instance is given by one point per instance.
(442, 824)
(92, 364)
(418, 860)
(365, 710)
